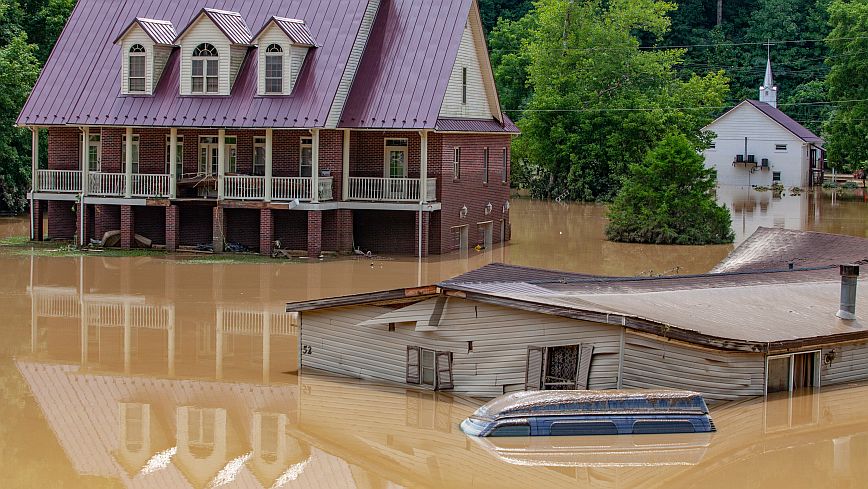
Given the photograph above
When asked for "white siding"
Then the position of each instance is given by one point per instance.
(480, 96)
(161, 57)
(763, 134)
(500, 339)
(352, 64)
(651, 363)
(299, 53)
(274, 35)
(849, 365)
(237, 53)
(137, 36)
(205, 31)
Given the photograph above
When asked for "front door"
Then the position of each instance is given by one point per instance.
(396, 168)
(209, 155)
(94, 153)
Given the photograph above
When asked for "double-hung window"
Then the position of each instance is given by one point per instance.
(306, 157)
(456, 163)
(137, 68)
(274, 69)
(429, 367)
(135, 153)
(463, 86)
(259, 156)
(179, 157)
(205, 74)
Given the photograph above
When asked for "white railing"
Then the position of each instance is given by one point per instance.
(151, 185)
(291, 188)
(390, 189)
(113, 184)
(244, 187)
(250, 323)
(326, 184)
(58, 181)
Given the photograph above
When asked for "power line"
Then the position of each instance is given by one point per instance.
(651, 109)
(691, 46)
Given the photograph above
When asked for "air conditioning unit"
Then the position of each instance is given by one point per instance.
(739, 158)
(764, 163)
(751, 158)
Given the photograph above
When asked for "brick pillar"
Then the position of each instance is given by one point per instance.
(426, 224)
(266, 232)
(219, 229)
(38, 226)
(345, 229)
(128, 227)
(173, 224)
(81, 216)
(314, 234)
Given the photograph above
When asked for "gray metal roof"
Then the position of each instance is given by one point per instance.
(787, 122)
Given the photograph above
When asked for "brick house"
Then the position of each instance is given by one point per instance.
(326, 126)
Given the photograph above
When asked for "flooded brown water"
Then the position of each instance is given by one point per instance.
(155, 372)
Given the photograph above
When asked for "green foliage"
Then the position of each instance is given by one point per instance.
(511, 60)
(668, 199)
(848, 44)
(588, 75)
(493, 10)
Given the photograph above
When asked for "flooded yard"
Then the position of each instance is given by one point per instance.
(161, 372)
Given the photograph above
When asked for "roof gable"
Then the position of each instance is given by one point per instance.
(776, 115)
(162, 32)
(231, 24)
(295, 30)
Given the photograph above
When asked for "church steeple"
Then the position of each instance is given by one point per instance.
(768, 92)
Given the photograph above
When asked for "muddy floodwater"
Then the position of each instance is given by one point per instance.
(162, 372)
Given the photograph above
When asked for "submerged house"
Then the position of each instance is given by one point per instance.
(764, 322)
(319, 125)
(757, 144)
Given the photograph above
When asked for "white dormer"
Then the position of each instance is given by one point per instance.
(283, 45)
(145, 48)
(213, 47)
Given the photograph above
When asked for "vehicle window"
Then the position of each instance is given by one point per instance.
(582, 428)
(511, 430)
(657, 427)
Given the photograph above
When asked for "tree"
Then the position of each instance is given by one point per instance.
(493, 10)
(599, 100)
(18, 70)
(510, 62)
(846, 131)
(667, 199)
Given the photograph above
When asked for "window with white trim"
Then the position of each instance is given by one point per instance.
(429, 367)
(137, 69)
(305, 157)
(786, 373)
(464, 86)
(504, 170)
(179, 157)
(135, 153)
(456, 163)
(274, 69)
(205, 74)
(485, 165)
(259, 156)
(781, 147)
(231, 148)
(94, 152)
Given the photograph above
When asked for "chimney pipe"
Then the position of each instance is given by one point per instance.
(849, 277)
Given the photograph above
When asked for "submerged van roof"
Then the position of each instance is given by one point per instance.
(540, 403)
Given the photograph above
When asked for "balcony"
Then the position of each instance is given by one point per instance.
(58, 181)
(142, 185)
(390, 189)
(246, 187)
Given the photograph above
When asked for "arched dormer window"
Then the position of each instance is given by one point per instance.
(137, 68)
(205, 74)
(274, 69)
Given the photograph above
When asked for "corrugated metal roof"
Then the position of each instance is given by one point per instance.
(296, 30)
(787, 122)
(81, 84)
(775, 249)
(160, 31)
(230, 23)
(407, 63)
(476, 125)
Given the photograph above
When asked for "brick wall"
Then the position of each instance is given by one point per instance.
(128, 226)
(314, 233)
(64, 149)
(266, 231)
(367, 152)
(112, 142)
(469, 190)
(172, 223)
(196, 225)
(106, 218)
(61, 219)
(385, 232)
(151, 223)
(290, 228)
(242, 226)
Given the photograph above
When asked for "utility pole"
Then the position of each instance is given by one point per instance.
(719, 11)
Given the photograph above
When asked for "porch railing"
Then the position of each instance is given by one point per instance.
(299, 188)
(390, 189)
(58, 181)
(151, 185)
(244, 187)
(107, 184)
(326, 184)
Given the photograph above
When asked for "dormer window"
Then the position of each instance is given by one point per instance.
(138, 63)
(274, 69)
(205, 74)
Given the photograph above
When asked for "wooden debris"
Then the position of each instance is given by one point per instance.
(111, 239)
(143, 241)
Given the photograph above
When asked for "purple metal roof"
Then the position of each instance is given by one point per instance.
(403, 76)
(230, 23)
(80, 83)
(477, 125)
(160, 31)
(296, 30)
(789, 124)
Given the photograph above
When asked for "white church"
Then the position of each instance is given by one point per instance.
(758, 145)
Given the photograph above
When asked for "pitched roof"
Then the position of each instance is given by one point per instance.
(231, 24)
(407, 64)
(160, 31)
(80, 83)
(476, 125)
(295, 29)
(787, 122)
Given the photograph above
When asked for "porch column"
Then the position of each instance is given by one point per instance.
(128, 187)
(423, 168)
(173, 163)
(269, 143)
(85, 167)
(128, 233)
(266, 232)
(314, 234)
(34, 181)
(218, 226)
(345, 182)
(221, 164)
(173, 224)
(314, 172)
